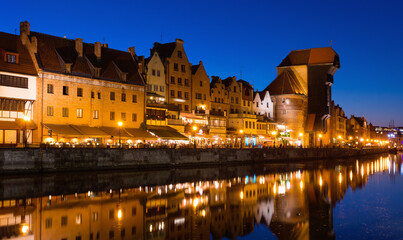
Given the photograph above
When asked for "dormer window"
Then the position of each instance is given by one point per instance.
(97, 72)
(124, 76)
(11, 58)
(179, 54)
(67, 68)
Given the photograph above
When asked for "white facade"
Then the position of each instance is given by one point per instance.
(263, 105)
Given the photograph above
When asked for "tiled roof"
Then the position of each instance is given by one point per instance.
(214, 80)
(311, 56)
(164, 50)
(12, 43)
(285, 83)
(54, 52)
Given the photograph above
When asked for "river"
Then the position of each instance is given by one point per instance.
(333, 199)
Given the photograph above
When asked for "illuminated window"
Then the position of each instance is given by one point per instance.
(65, 112)
(95, 114)
(79, 113)
(50, 88)
(64, 220)
(49, 111)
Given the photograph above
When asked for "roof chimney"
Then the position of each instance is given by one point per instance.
(24, 31)
(132, 51)
(79, 46)
(97, 50)
(180, 41)
(105, 45)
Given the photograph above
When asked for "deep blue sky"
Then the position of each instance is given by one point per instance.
(250, 35)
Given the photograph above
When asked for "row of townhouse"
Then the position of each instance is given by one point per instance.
(54, 89)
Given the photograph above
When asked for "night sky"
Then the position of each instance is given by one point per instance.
(251, 37)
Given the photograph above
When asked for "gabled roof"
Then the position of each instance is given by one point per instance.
(164, 50)
(12, 43)
(285, 83)
(359, 120)
(228, 81)
(195, 68)
(245, 83)
(54, 52)
(311, 56)
(214, 80)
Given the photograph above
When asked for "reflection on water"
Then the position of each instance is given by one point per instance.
(294, 204)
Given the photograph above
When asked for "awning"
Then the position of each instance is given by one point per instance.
(90, 131)
(310, 122)
(64, 129)
(17, 124)
(114, 131)
(191, 116)
(168, 133)
(140, 134)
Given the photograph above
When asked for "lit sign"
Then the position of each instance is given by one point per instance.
(179, 221)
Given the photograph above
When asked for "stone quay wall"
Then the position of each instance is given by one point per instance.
(70, 160)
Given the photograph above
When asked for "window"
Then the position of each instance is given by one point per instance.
(156, 88)
(134, 117)
(111, 214)
(95, 114)
(198, 96)
(123, 98)
(204, 96)
(111, 234)
(253, 125)
(234, 88)
(257, 104)
(172, 93)
(65, 90)
(179, 94)
(248, 104)
(79, 113)
(173, 80)
(49, 111)
(123, 233)
(176, 67)
(186, 95)
(186, 108)
(99, 95)
(123, 116)
(183, 69)
(179, 81)
(232, 99)
(186, 82)
(149, 87)
(12, 81)
(134, 98)
(133, 230)
(244, 103)
(78, 238)
(112, 96)
(64, 221)
(284, 112)
(179, 54)
(112, 116)
(267, 104)
(92, 94)
(50, 88)
(180, 107)
(236, 100)
(162, 89)
(153, 72)
(201, 84)
(94, 216)
(48, 222)
(79, 92)
(134, 211)
(65, 112)
(158, 73)
(11, 58)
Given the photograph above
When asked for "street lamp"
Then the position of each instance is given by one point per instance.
(120, 124)
(194, 128)
(26, 119)
(274, 133)
(320, 140)
(241, 132)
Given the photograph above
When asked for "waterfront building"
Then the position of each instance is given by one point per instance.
(337, 125)
(357, 129)
(84, 90)
(155, 71)
(310, 75)
(247, 97)
(234, 90)
(262, 104)
(218, 112)
(17, 91)
(178, 73)
(200, 89)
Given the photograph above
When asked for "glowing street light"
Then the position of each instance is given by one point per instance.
(26, 119)
(320, 139)
(194, 128)
(241, 132)
(274, 133)
(120, 124)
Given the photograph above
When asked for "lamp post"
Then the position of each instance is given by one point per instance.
(120, 124)
(241, 132)
(194, 128)
(301, 139)
(320, 140)
(274, 133)
(26, 119)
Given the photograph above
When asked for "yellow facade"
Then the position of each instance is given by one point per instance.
(200, 88)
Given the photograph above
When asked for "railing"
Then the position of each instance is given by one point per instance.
(217, 113)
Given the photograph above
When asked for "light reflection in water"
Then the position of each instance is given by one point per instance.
(292, 204)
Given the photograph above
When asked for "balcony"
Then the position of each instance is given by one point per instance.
(217, 113)
(175, 121)
(241, 115)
